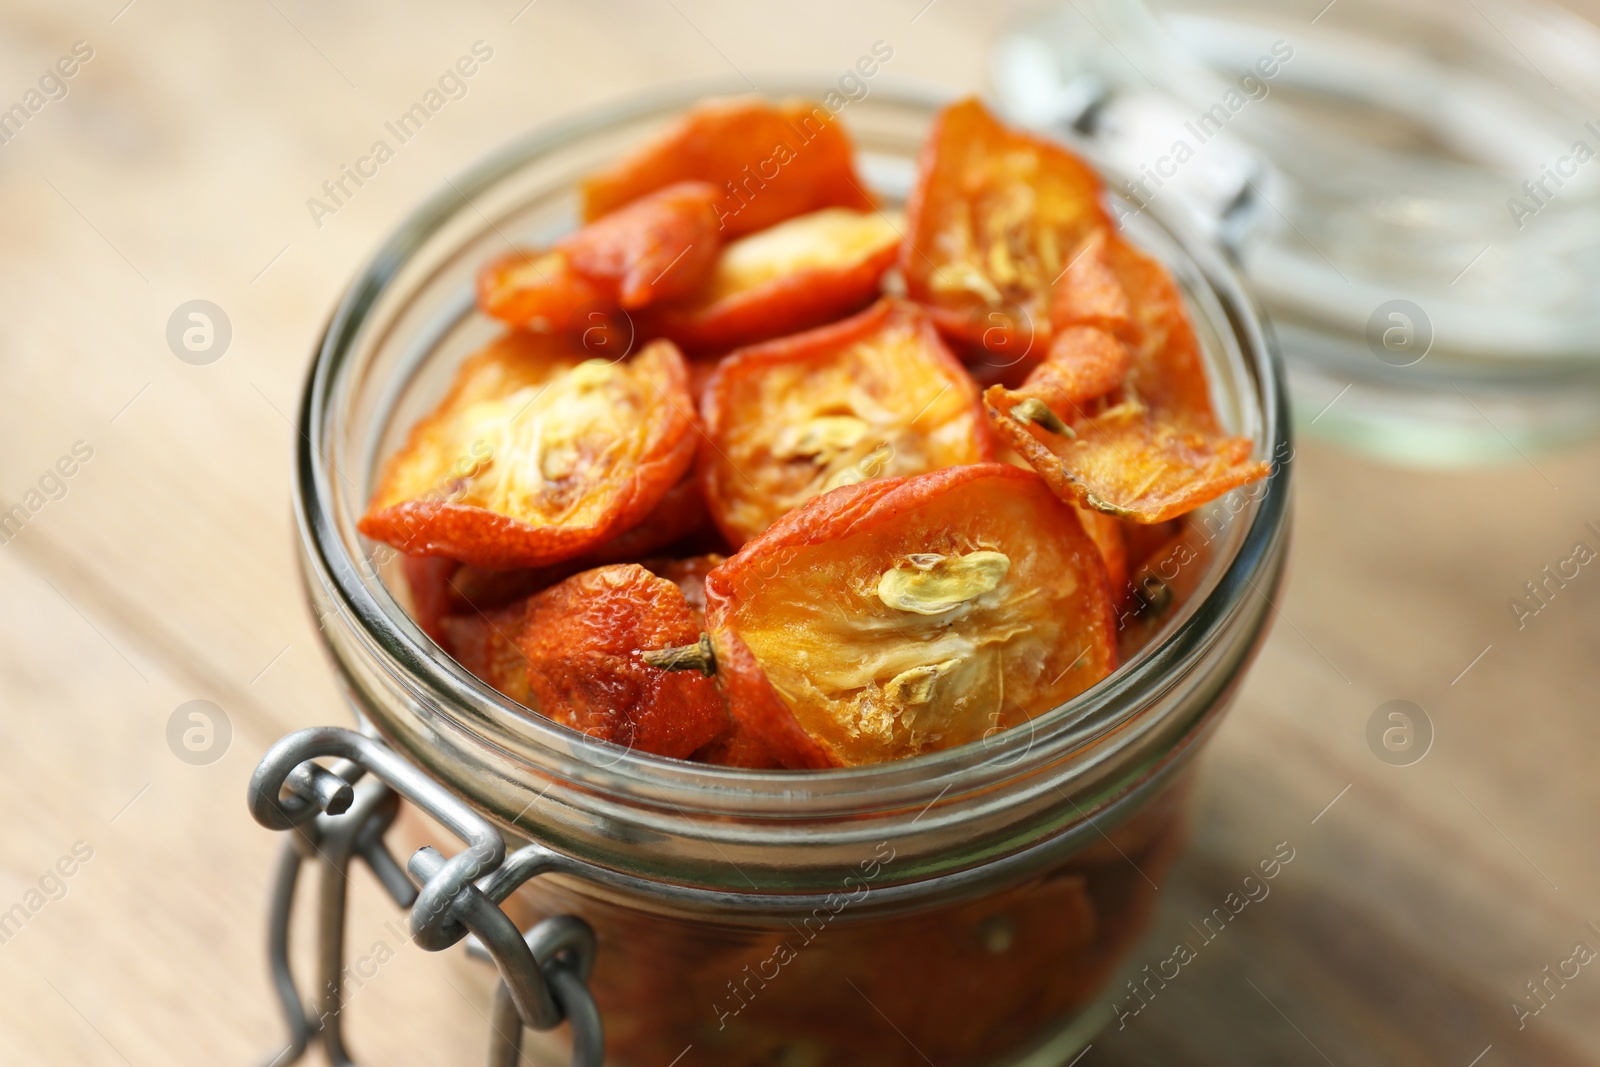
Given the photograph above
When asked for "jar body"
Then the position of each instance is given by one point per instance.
(963, 906)
(976, 981)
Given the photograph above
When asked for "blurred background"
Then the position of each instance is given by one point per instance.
(152, 562)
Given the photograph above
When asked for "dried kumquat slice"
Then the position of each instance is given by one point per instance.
(993, 221)
(793, 276)
(538, 291)
(1166, 369)
(1128, 461)
(536, 456)
(680, 515)
(1150, 451)
(571, 653)
(906, 615)
(1145, 540)
(875, 395)
(1084, 363)
(1089, 293)
(768, 162)
(441, 586)
(470, 589)
(659, 247)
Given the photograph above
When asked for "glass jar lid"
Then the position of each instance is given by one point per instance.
(1412, 189)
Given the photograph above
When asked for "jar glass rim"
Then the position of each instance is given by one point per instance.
(334, 556)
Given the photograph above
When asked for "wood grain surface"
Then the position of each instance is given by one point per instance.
(178, 166)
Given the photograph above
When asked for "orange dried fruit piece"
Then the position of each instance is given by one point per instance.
(768, 162)
(1151, 449)
(795, 275)
(571, 653)
(1084, 363)
(536, 456)
(907, 615)
(471, 589)
(1166, 369)
(659, 247)
(1128, 460)
(993, 221)
(680, 515)
(1089, 293)
(1127, 547)
(538, 291)
(441, 586)
(873, 396)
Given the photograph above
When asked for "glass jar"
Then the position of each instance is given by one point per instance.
(964, 906)
(1412, 188)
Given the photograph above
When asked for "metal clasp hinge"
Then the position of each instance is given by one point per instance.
(336, 817)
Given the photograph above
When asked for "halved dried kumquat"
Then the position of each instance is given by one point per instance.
(536, 456)
(1089, 293)
(906, 615)
(1152, 449)
(572, 654)
(441, 586)
(538, 291)
(1084, 363)
(768, 162)
(873, 396)
(1130, 461)
(1166, 369)
(993, 221)
(659, 247)
(798, 274)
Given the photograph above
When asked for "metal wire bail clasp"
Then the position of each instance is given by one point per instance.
(336, 817)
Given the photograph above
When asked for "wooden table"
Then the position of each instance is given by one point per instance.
(1420, 901)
